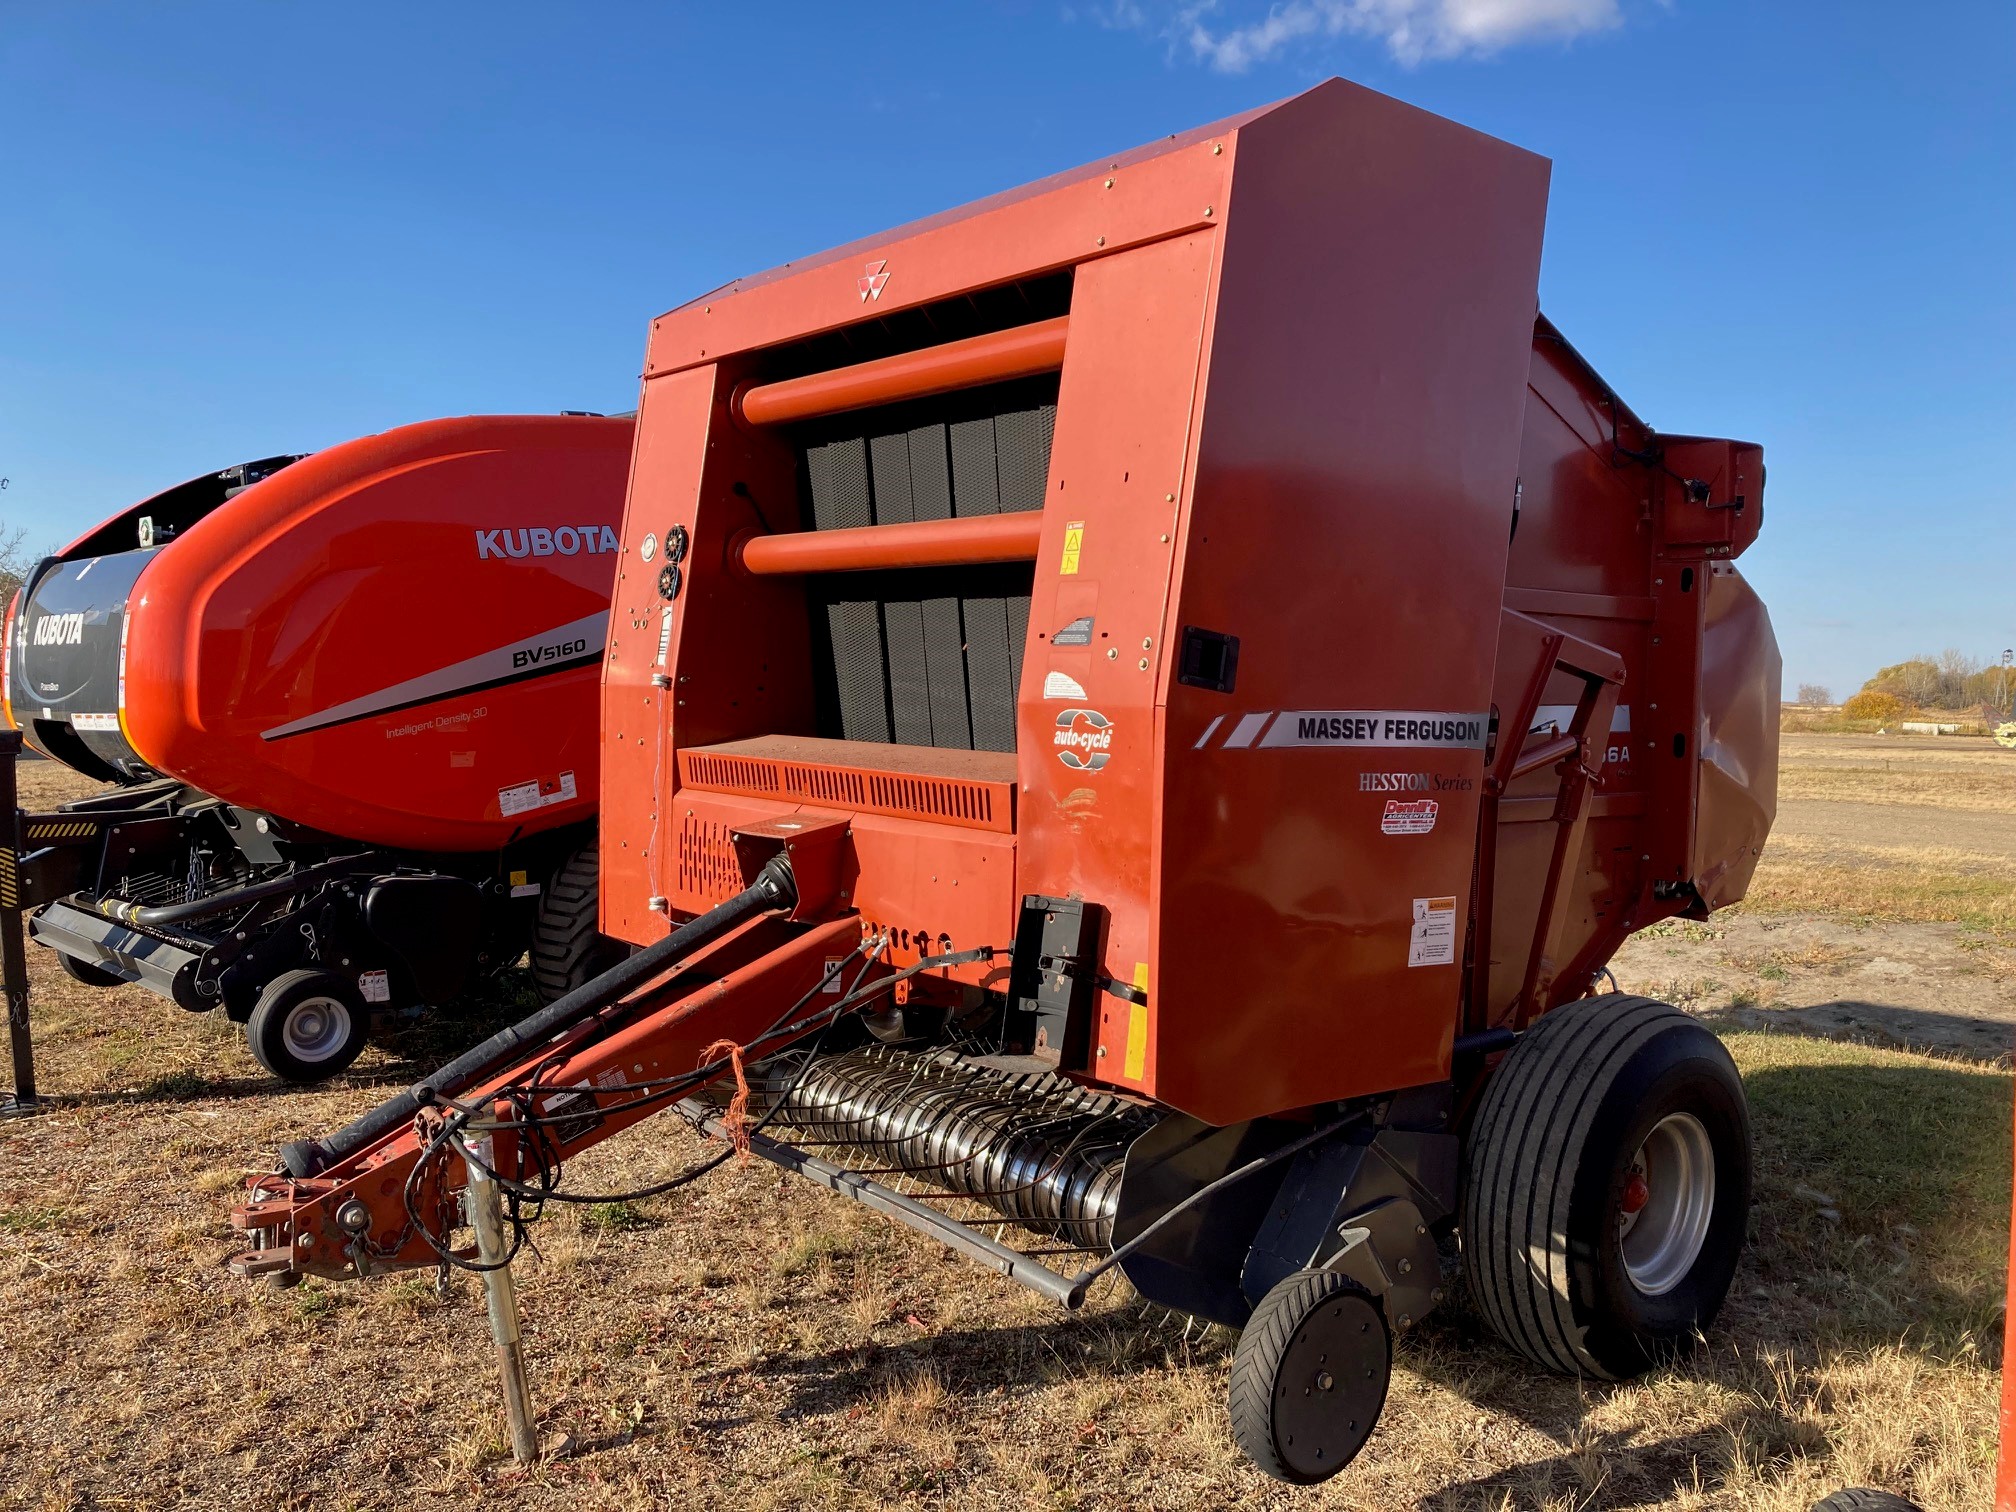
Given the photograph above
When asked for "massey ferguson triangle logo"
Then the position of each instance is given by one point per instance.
(870, 283)
(1085, 738)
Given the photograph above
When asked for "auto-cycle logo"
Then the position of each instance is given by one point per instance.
(870, 283)
(1084, 739)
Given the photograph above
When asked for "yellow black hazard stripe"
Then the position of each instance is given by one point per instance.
(61, 829)
(10, 879)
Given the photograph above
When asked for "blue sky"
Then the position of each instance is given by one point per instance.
(231, 230)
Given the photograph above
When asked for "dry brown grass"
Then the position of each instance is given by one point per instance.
(1921, 883)
(1972, 775)
(753, 1342)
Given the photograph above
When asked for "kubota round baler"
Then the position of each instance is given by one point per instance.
(347, 704)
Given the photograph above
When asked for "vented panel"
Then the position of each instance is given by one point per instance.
(974, 790)
(707, 864)
(930, 657)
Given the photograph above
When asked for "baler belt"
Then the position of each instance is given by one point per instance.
(926, 656)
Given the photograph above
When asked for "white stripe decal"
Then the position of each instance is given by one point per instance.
(1247, 730)
(549, 648)
(1209, 730)
(1554, 719)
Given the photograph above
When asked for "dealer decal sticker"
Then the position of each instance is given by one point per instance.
(1404, 817)
(1432, 941)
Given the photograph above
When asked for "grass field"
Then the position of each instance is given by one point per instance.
(752, 1342)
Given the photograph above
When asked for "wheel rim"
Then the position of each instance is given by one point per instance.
(1669, 1198)
(316, 1029)
(1330, 1386)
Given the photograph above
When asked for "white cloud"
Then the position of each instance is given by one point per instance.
(1412, 30)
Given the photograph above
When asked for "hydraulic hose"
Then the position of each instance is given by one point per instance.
(773, 888)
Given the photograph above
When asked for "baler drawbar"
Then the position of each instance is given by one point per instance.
(1135, 715)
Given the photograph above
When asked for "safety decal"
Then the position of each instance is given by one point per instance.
(1432, 941)
(527, 796)
(1077, 633)
(1350, 728)
(1062, 685)
(664, 636)
(375, 986)
(107, 722)
(1084, 738)
(1074, 542)
(1409, 817)
(520, 888)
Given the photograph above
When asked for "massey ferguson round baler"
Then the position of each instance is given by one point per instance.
(1136, 713)
(347, 702)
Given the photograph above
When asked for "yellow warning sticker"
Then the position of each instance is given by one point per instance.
(1137, 1029)
(517, 879)
(1074, 541)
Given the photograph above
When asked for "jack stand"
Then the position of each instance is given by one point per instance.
(22, 1101)
(486, 1216)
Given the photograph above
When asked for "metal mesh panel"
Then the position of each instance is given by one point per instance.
(929, 657)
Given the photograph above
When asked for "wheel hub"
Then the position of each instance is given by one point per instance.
(1667, 1203)
(1331, 1385)
(316, 1029)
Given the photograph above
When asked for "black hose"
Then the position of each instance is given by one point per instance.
(772, 889)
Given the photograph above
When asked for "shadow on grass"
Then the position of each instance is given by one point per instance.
(1889, 1026)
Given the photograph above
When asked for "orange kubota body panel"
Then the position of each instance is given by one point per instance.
(392, 641)
(1297, 400)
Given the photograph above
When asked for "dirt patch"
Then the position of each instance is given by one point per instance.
(1938, 987)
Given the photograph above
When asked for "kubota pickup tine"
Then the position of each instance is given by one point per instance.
(500, 1294)
(773, 888)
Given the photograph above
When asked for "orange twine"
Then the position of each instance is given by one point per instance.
(736, 1120)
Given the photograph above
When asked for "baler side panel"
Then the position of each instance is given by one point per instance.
(1348, 522)
(731, 647)
(1741, 675)
(1611, 548)
(1088, 733)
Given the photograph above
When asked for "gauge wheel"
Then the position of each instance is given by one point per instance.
(307, 1025)
(1607, 1187)
(1309, 1377)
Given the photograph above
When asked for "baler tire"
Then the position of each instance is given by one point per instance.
(1558, 1134)
(1257, 1388)
(267, 1030)
(85, 973)
(567, 947)
(1860, 1500)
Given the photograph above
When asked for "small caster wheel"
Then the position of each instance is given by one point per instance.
(1309, 1377)
(1859, 1500)
(307, 1025)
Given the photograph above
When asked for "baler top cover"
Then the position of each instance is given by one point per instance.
(1210, 537)
(395, 640)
